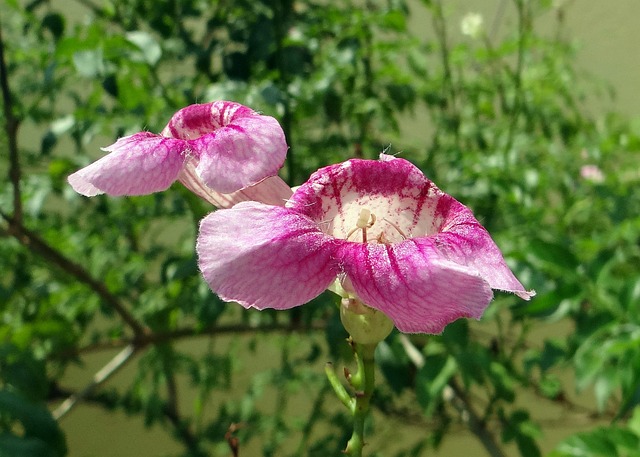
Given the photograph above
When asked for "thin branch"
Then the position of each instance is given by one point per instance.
(517, 106)
(100, 377)
(460, 401)
(34, 243)
(192, 332)
(11, 127)
(171, 409)
(479, 427)
(280, 19)
(107, 402)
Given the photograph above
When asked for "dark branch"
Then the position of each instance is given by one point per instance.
(11, 124)
(34, 243)
(191, 332)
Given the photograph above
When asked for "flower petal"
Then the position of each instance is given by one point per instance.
(413, 284)
(264, 256)
(241, 154)
(271, 191)
(136, 165)
(464, 241)
(236, 146)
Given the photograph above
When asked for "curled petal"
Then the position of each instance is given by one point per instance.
(136, 165)
(271, 191)
(236, 147)
(464, 241)
(413, 284)
(241, 154)
(264, 256)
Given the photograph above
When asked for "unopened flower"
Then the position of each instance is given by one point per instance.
(213, 149)
(395, 242)
(472, 25)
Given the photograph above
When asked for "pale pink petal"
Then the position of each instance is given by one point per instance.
(463, 240)
(264, 256)
(241, 154)
(139, 164)
(272, 190)
(413, 284)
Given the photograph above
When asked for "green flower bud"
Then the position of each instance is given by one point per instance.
(365, 325)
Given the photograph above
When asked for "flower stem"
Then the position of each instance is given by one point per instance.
(363, 382)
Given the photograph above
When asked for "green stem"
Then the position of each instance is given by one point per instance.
(337, 386)
(363, 382)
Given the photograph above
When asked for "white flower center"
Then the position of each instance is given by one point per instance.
(381, 219)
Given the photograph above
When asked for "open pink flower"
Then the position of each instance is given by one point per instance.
(214, 149)
(396, 242)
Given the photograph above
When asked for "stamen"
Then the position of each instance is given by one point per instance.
(402, 234)
(363, 218)
(364, 222)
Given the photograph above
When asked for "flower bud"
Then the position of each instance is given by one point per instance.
(365, 325)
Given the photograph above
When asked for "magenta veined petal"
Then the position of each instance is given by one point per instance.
(414, 285)
(136, 165)
(241, 154)
(397, 242)
(264, 256)
(214, 148)
(407, 205)
(463, 240)
(235, 147)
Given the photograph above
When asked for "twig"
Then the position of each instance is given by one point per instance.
(171, 410)
(280, 18)
(193, 332)
(516, 108)
(11, 127)
(460, 402)
(36, 244)
(477, 425)
(101, 376)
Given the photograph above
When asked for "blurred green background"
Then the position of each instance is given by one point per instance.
(112, 344)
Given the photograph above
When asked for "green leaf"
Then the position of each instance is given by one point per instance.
(55, 23)
(36, 421)
(431, 380)
(14, 446)
(20, 370)
(150, 50)
(89, 63)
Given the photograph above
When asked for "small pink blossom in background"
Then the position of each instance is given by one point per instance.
(592, 173)
(394, 240)
(216, 149)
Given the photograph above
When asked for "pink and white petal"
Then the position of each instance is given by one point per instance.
(473, 247)
(264, 256)
(139, 164)
(413, 284)
(196, 120)
(241, 154)
(271, 191)
(463, 240)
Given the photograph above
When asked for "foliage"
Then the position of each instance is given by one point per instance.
(505, 131)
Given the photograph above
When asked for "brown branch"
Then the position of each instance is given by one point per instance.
(34, 243)
(153, 338)
(460, 401)
(89, 395)
(11, 127)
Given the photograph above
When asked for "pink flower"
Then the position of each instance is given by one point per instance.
(393, 239)
(214, 149)
(592, 173)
